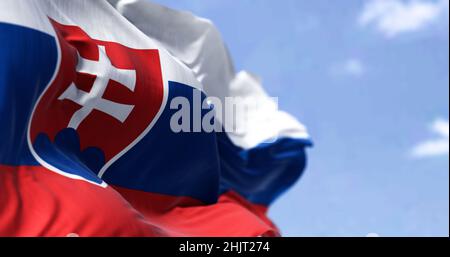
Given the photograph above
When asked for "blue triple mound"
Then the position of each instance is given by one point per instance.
(65, 154)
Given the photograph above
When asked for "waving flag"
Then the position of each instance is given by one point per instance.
(89, 92)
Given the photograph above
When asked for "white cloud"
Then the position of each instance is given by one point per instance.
(434, 147)
(354, 67)
(350, 67)
(392, 17)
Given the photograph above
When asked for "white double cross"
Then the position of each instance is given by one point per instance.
(94, 100)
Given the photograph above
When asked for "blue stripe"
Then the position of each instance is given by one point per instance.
(262, 173)
(204, 165)
(27, 61)
(165, 162)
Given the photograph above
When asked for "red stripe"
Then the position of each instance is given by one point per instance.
(37, 202)
(232, 215)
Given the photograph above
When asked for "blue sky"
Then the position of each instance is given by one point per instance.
(370, 80)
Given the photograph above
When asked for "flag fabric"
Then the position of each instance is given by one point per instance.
(89, 92)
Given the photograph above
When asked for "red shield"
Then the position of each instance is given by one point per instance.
(107, 92)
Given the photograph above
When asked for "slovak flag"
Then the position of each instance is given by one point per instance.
(114, 122)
